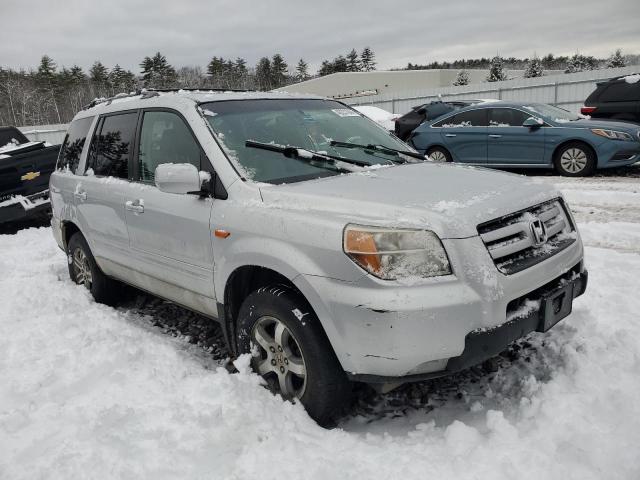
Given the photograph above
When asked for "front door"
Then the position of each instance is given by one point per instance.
(169, 233)
(509, 143)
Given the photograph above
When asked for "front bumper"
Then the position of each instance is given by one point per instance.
(381, 331)
(19, 207)
(481, 345)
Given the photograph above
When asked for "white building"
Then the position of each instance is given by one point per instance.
(357, 84)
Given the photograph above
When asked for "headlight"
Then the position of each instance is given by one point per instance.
(612, 134)
(396, 253)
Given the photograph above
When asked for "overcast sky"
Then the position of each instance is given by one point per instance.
(191, 32)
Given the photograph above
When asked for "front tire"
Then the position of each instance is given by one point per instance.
(291, 351)
(84, 270)
(575, 159)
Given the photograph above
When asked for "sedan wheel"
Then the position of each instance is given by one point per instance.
(279, 358)
(573, 160)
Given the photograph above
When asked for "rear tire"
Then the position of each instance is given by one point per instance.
(84, 270)
(291, 351)
(439, 155)
(575, 159)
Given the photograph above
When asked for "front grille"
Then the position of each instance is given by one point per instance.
(512, 241)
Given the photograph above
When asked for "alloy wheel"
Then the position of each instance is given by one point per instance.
(278, 357)
(438, 156)
(82, 268)
(573, 160)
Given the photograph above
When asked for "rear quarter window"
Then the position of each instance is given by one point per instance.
(621, 91)
(71, 149)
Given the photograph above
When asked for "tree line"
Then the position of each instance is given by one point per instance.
(535, 66)
(48, 94)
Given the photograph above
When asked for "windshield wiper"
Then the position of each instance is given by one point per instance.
(378, 148)
(306, 155)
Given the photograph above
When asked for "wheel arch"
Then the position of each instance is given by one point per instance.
(554, 154)
(68, 229)
(248, 278)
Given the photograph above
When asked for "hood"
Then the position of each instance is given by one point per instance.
(450, 200)
(606, 124)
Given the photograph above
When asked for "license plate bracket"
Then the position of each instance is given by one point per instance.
(555, 306)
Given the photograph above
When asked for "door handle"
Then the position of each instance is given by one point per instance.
(449, 134)
(134, 206)
(495, 135)
(80, 195)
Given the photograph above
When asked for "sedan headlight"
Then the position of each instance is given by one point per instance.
(612, 134)
(396, 253)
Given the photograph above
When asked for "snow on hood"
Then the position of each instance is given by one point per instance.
(451, 200)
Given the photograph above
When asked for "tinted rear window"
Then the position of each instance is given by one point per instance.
(71, 148)
(11, 135)
(111, 146)
(620, 92)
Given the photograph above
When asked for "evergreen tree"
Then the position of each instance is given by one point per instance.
(461, 79)
(534, 68)
(240, 67)
(580, 63)
(367, 60)
(77, 74)
(121, 80)
(340, 64)
(263, 74)
(278, 71)
(302, 70)
(46, 69)
(326, 68)
(496, 70)
(157, 72)
(215, 67)
(353, 62)
(98, 73)
(616, 60)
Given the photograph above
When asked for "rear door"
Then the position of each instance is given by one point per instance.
(169, 233)
(465, 135)
(100, 194)
(510, 143)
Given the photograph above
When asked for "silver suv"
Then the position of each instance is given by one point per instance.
(323, 245)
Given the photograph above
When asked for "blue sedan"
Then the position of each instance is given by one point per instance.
(528, 135)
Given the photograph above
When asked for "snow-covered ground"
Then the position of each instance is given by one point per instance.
(87, 391)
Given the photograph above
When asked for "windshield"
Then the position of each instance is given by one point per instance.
(552, 113)
(303, 123)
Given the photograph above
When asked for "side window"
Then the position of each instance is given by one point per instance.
(472, 118)
(506, 117)
(69, 156)
(621, 91)
(111, 145)
(165, 138)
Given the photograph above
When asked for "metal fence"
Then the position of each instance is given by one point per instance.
(53, 134)
(568, 91)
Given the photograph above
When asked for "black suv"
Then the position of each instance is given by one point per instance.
(426, 112)
(616, 99)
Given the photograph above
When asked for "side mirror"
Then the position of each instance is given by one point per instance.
(421, 111)
(178, 178)
(533, 122)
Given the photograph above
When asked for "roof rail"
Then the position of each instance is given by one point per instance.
(199, 89)
(108, 100)
(154, 92)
